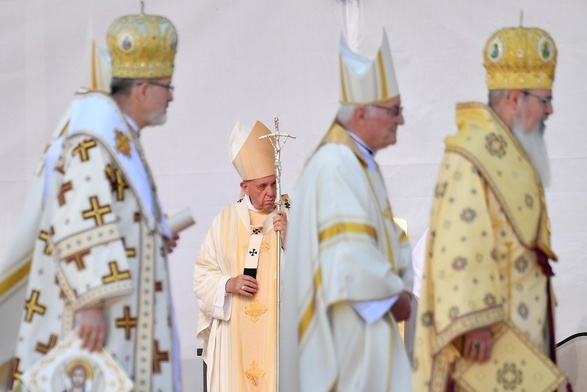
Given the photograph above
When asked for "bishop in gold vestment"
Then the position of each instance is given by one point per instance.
(489, 240)
(237, 312)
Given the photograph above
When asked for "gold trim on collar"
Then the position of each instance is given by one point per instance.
(337, 134)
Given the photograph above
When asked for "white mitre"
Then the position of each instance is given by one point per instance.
(252, 158)
(98, 69)
(365, 81)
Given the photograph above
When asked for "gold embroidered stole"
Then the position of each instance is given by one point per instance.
(487, 142)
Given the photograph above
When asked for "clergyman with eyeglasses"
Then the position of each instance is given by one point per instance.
(348, 276)
(100, 261)
(488, 251)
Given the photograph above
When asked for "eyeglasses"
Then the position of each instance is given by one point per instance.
(167, 86)
(544, 100)
(393, 111)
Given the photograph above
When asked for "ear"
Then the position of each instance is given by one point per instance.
(513, 99)
(360, 113)
(245, 187)
(140, 91)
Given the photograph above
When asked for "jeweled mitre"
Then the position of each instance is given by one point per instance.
(520, 58)
(142, 47)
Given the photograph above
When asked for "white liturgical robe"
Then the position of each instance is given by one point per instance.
(344, 249)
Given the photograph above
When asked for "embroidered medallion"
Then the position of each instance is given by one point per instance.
(126, 42)
(521, 264)
(453, 313)
(529, 200)
(255, 310)
(495, 144)
(545, 49)
(495, 50)
(265, 246)
(122, 143)
(459, 263)
(523, 311)
(440, 189)
(489, 299)
(509, 376)
(426, 319)
(254, 373)
(468, 215)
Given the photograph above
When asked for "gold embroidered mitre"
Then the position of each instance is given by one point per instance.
(519, 58)
(252, 158)
(365, 81)
(142, 47)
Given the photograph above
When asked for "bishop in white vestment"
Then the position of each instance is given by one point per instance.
(348, 278)
(100, 260)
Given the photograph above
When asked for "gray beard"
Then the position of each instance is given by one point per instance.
(157, 118)
(535, 147)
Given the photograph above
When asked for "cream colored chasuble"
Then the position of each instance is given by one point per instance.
(344, 249)
(238, 333)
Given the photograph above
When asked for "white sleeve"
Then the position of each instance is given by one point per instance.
(372, 311)
(223, 301)
(418, 260)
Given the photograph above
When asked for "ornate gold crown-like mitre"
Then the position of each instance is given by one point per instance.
(142, 47)
(520, 58)
(364, 81)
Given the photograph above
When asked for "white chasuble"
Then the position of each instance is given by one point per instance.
(488, 224)
(97, 243)
(238, 333)
(343, 248)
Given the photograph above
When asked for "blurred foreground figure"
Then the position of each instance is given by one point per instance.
(348, 276)
(100, 260)
(488, 250)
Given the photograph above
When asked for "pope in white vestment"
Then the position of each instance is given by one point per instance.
(102, 243)
(348, 276)
(237, 312)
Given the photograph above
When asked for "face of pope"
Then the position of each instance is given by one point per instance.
(380, 124)
(262, 192)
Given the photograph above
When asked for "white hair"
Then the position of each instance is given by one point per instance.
(496, 96)
(345, 112)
